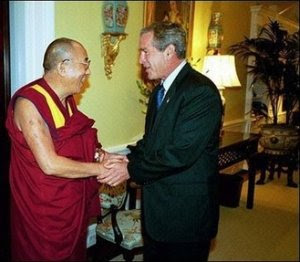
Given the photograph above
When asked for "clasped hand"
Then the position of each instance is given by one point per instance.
(115, 171)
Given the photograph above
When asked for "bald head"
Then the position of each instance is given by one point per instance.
(59, 50)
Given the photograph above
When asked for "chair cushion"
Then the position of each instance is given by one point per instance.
(129, 222)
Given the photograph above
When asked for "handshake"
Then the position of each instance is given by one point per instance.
(114, 168)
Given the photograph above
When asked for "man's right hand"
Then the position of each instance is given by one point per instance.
(116, 172)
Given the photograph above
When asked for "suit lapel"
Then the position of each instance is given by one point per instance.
(170, 95)
(152, 111)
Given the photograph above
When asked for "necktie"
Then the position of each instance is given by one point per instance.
(160, 95)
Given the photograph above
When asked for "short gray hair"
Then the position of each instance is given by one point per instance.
(165, 34)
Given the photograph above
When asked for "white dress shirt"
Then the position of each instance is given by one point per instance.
(169, 80)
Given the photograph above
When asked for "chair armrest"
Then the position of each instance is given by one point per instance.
(117, 232)
(118, 237)
(134, 185)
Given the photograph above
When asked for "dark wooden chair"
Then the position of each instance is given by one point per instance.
(119, 226)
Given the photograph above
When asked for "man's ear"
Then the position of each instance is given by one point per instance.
(169, 51)
(61, 68)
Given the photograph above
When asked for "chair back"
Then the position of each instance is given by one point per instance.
(112, 196)
(119, 225)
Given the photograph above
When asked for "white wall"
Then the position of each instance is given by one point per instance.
(31, 31)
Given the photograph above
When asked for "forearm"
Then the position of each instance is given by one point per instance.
(68, 168)
(146, 169)
(64, 167)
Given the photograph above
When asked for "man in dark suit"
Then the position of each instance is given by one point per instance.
(176, 160)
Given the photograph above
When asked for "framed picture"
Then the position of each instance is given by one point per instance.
(175, 11)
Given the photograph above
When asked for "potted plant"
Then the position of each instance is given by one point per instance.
(276, 66)
(145, 90)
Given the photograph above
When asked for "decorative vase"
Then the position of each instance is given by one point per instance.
(215, 32)
(115, 14)
(279, 139)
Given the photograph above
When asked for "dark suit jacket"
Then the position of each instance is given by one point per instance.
(176, 161)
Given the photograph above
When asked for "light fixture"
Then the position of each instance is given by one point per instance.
(115, 14)
(221, 70)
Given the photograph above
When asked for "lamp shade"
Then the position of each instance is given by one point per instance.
(221, 70)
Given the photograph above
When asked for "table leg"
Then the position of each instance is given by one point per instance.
(261, 164)
(272, 171)
(251, 183)
(290, 170)
(261, 180)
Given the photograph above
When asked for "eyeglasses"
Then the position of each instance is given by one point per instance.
(87, 63)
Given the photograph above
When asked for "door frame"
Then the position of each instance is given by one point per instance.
(4, 140)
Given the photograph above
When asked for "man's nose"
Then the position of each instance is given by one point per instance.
(141, 59)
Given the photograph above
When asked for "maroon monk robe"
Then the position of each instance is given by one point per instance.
(49, 214)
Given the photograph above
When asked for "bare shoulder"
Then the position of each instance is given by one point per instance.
(25, 113)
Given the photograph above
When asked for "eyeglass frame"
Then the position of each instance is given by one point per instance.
(87, 63)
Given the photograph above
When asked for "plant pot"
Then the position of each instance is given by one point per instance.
(279, 139)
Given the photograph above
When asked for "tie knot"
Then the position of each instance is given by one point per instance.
(160, 95)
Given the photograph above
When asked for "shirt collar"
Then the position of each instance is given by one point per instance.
(169, 80)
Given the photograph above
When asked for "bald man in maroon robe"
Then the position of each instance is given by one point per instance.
(54, 191)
